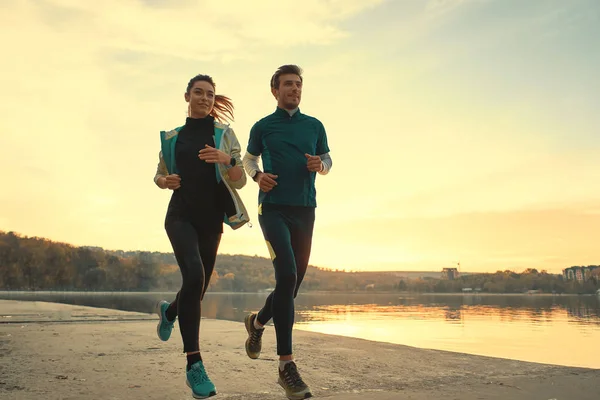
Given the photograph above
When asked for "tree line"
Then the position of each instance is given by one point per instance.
(505, 282)
(33, 263)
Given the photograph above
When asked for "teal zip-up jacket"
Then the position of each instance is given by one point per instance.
(227, 142)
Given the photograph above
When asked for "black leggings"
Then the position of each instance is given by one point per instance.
(288, 232)
(196, 253)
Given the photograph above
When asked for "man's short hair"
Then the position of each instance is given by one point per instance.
(283, 70)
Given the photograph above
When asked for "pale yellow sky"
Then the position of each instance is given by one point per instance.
(459, 129)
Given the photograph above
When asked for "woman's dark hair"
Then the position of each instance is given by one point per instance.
(223, 107)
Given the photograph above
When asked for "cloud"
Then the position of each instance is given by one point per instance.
(198, 30)
(440, 7)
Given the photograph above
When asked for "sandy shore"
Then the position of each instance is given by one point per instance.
(54, 351)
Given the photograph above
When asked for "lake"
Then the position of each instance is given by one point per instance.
(561, 329)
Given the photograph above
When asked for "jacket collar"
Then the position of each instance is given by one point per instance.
(286, 114)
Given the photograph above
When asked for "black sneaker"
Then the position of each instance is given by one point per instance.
(290, 380)
(254, 341)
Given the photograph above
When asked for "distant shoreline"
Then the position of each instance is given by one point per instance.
(510, 294)
(309, 292)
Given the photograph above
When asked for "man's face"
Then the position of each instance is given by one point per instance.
(289, 93)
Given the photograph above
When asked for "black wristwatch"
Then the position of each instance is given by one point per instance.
(231, 163)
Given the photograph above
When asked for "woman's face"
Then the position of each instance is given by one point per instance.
(201, 98)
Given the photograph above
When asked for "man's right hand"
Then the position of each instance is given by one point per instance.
(266, 181)
(173, 181)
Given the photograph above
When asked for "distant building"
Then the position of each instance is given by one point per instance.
(581, 274)
(450, 273)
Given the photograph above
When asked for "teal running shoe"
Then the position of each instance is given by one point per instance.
(164, 328)
(201, 385)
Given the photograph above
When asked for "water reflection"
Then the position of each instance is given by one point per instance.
(323, 306)
(453, 315)
(531, 328)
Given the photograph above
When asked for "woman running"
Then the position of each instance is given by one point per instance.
(201, 163)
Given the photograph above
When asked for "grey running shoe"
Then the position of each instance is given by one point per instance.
(292, 383)
(254, 341)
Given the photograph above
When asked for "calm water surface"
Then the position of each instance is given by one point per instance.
(561, 330)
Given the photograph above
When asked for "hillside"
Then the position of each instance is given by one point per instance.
(32, 263)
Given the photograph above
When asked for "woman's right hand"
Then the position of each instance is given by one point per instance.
(173, 181)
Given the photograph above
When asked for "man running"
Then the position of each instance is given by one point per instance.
(294, 149)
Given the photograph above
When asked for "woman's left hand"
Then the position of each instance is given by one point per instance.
(214, 156)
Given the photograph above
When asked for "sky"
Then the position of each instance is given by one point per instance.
(460, 130)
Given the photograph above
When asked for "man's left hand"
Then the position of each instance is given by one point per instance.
(314, 163)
